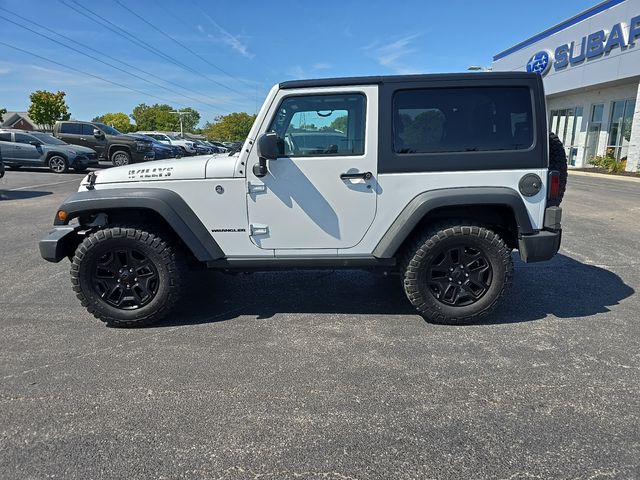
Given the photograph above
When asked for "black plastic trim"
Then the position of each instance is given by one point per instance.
(280, 263)
(54, 247)
(380, 79)
(539, 247)
(421, 205)
(169, 205)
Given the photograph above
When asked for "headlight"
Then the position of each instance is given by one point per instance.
(141, 146)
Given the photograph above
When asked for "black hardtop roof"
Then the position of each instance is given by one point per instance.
(379, 79)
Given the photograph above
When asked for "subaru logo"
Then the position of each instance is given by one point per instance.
(539, 63)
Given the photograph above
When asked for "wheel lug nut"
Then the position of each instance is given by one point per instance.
(451, 269)
(459, 283)
(450, 279)
(466, 274)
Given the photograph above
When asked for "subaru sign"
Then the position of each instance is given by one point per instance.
(539, 63)
(589, 47)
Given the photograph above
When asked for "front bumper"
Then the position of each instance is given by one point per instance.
(58, 243)
(86, 161)
(544, 244)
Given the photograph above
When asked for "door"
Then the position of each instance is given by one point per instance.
(593, 132)
(25, 152)
(87, 138)
(7, 147)
(321, 192)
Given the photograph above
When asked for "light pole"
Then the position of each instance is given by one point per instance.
(180, 114)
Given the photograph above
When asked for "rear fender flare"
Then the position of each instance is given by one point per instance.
(425, 202)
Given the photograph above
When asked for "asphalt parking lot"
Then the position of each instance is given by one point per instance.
(326, 375)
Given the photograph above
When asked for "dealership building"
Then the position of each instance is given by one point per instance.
(590, 64)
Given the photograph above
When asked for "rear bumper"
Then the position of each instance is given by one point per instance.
(544, 244)
(58, 243)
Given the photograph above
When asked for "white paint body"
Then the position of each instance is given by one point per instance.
(302, 207)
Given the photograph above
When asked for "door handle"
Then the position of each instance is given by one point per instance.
(83, 139)
(356, 175)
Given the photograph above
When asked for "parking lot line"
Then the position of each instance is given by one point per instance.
(42, 185)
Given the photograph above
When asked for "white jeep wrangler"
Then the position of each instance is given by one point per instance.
(437, 177)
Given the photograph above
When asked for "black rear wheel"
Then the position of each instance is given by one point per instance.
(128, 276)
(456, 273)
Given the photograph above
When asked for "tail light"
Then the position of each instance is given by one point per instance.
(554, 186)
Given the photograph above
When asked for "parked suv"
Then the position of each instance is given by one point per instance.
(109, 143)
(22, 148)
(187, 146)
(435, 177)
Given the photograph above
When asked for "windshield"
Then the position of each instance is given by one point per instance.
(44, 138)
(171, 136)
(107, 129)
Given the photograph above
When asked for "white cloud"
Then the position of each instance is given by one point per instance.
(394, 55)
(5, 71)
(233, 41)
(296, 72)
(322, 66)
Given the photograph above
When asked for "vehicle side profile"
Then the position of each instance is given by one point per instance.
(109, 143)
(187, 146)
(34, 149)
(435, 177)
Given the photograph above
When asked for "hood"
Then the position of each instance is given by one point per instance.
(188, 168)
(69, 148)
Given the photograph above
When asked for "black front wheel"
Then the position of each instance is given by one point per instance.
(127, 276)
(455, 274)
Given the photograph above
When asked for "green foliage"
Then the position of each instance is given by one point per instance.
(2, 112)
(610, 164)
(118, 120)
(159, 117)
(230, 128)
(339, 124)
(47, 108)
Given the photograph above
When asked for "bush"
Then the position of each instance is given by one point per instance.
(610, 164)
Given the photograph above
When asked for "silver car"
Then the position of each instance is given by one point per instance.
(34, 149)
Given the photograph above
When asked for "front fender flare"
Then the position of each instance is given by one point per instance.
(166, 203)
(422, 204)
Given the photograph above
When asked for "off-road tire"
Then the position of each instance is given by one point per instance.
(167, 259)
(429, 247)
(120, 158)
(557, 162)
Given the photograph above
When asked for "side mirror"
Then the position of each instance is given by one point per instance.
(35, 143)
(269, 146)
(97, 133)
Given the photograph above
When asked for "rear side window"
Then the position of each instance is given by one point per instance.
(5, 137)
(321, 125)
(440, 120)
(70, 128)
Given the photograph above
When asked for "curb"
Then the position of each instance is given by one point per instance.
(604, 175)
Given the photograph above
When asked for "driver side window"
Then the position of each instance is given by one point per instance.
(321, 125)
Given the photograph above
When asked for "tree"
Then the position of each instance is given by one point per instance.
(118, 120)
(230, 128)
(47, 108)
(159, 117)
(339, 124)
(2, 112)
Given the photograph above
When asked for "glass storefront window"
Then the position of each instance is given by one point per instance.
(620, 128)
(566, 123)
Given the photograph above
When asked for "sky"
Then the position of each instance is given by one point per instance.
(220, 56)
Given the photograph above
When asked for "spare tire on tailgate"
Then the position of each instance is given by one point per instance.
(557, 162)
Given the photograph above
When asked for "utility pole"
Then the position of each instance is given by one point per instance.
(180, 114)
